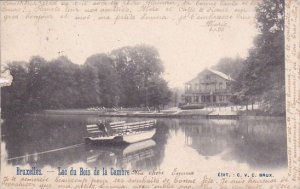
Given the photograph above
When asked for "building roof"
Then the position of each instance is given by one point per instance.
(227, 77)
(220, 74)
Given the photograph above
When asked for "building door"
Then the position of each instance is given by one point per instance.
(202, 98)
(207, 98)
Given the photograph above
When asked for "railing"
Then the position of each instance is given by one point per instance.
(120, 127)
(207, 91)
(129, 127)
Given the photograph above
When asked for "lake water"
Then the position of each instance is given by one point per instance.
(199, 144)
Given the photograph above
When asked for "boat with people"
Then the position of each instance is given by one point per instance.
(120, 132)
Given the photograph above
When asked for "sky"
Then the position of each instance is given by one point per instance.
(185, 49)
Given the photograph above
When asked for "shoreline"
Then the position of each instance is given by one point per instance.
(203, 114)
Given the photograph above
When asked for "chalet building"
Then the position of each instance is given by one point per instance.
(210, 87)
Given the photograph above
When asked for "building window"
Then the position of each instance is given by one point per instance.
(220, 85)
(202, 98)
(214, 98)
(205, 98)
(188, 88)
(188, 99)
(227, 85)
(182, 98)
(222, 98)
(196, 99)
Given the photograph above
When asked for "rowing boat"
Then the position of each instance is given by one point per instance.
(121, 132)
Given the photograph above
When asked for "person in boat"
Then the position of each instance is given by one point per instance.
(102, 128)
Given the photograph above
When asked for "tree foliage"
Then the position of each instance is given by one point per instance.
(262, 77)
(136, 65)
(230, 66)
(129, 76)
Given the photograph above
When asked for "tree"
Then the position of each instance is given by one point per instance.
(88, 87)
(136, 65)
(105, 77)
(14, 97)
(130, 76)
(126, 68)
(36, 83)
(60, 84)
(262, 77)
(158, 92)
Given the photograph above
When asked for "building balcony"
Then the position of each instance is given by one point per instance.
(215, 91)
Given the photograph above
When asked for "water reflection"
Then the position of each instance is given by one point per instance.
(261, 143)
(55, 141)
(126, 156)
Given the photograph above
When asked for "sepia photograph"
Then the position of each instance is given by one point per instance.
(135, 92)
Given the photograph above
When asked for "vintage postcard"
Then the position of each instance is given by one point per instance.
(181, 94)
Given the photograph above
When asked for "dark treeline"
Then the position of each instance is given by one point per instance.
(127, 77)
(260, 78)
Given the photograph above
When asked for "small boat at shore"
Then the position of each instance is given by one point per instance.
(120, 132)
